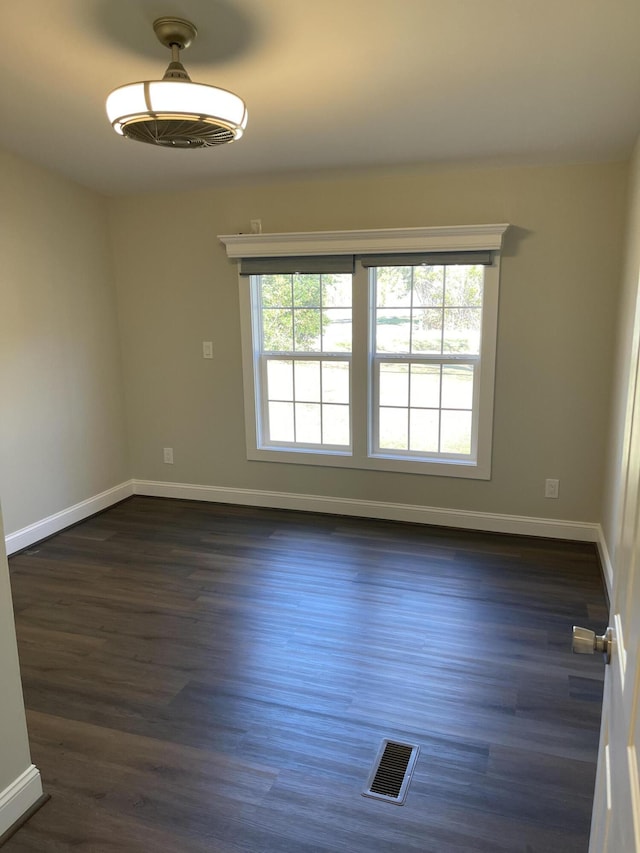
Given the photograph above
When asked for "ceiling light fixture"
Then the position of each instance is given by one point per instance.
(174, 112)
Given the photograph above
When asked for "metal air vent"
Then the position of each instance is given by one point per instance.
(392, 771)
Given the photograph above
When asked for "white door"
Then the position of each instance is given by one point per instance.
(615, 825)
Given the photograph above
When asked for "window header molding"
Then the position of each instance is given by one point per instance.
(382, 240)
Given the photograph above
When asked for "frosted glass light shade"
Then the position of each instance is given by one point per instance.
(177, 113)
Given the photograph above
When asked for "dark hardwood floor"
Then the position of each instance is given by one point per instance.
(211, 678)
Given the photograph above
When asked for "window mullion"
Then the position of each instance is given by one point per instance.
(440, 410)
(321, 362)
(444, 302)
(321, 379)
(360, 363)
(409, 404)
(295, 393)
(411, 299)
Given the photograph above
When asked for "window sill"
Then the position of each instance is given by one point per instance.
(461, 469)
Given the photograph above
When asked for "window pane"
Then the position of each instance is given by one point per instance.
(307, 386)
(306, 290)
(394, 429)
(279, 380)
(423, 425)
(335, 425)
(457, 386)
(425, 385)
(393, 330)
(336, 290)
(307, 330)
(461, 330)
(393, 287)
(394, 385)
(308, 423)
(335, 382)
(276, 291)
(277, 325)
(336, 330)
(428, 286)
(464, 285)
(281, 422)
(456, 432)
(427, 330)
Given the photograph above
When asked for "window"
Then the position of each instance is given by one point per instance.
(425, 353)
(302, 328)
(382, 361)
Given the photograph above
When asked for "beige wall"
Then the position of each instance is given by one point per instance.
(559, 291)
(62, 434)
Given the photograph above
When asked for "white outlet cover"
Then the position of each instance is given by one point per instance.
(551, 488)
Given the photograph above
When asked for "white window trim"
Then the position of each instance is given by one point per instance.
(395, 240)
(460, 238)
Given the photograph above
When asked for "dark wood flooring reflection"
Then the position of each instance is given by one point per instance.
(210, 678)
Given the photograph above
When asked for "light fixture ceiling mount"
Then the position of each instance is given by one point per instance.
(175, 112)
(174, 31)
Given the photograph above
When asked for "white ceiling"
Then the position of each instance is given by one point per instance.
(329, 85)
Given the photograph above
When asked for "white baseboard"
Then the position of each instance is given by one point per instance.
(605, 559)
(23, 793)
(491, 522)
(65, 518)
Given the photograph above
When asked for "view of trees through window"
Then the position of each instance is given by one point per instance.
(426, 336)
(429, 309)
(425, 316)
(306, 313)
(306, 323)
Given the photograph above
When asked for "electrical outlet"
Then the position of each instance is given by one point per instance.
(167, 454)
(207, 349)
(551, 488)
(256, 226)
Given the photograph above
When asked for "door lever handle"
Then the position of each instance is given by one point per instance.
(586, 642)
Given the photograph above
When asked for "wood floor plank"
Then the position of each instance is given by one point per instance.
(207, 677)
